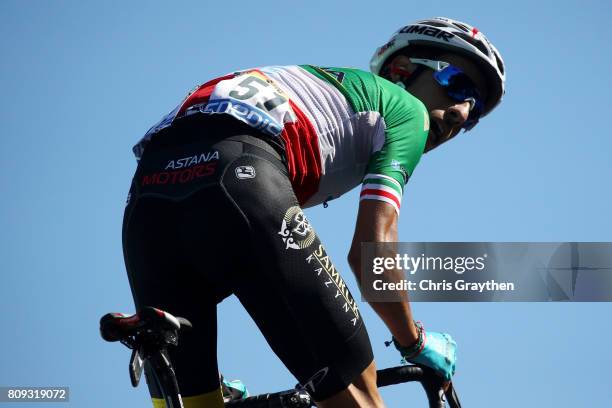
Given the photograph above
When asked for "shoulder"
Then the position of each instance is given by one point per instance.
(404, 114)
(406, 127)
(398, 100)
(390, 100)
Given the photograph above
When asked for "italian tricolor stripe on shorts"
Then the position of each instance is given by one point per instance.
(383, 188)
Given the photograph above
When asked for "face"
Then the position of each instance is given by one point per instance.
(446, 115)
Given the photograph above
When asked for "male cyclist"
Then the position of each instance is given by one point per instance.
(215, 206)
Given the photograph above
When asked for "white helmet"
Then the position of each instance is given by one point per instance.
(457, 37)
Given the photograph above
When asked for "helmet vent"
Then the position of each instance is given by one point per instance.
(462, 27)
(478, 44)
(434, 23)
(500, 64)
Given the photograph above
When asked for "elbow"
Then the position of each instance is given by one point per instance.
(354, 257)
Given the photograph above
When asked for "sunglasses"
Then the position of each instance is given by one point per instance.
(458, 86)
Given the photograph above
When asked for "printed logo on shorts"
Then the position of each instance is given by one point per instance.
(296, 231)
(192, 160)
(331, 278)
(184, 170)
(315, 380)
(245, 172)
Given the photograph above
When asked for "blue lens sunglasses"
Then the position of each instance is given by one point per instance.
(458, 86)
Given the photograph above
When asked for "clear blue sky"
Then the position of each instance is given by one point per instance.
(81, 81)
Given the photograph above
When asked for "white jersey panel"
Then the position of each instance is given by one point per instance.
(324, 105)
(346, 139)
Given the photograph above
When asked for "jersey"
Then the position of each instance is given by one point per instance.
(340, 126)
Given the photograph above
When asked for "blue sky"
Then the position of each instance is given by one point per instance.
(81, 81)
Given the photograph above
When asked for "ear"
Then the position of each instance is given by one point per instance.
(400, 67)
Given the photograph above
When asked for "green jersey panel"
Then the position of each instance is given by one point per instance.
(406, 126)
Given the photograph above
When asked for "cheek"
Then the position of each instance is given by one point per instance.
(443, 101)
(439, 99)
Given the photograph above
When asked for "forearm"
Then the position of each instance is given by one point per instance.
(397, 316)
(377, 222)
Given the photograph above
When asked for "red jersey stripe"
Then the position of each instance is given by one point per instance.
(202, 94)
(370, 191)
(303, 157)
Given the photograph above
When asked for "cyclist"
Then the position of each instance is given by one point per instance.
(215, 206)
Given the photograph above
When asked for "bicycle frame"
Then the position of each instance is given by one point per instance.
(149, 341)
(299, 398)
(164, 375)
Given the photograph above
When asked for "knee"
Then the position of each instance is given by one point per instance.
(362, 392)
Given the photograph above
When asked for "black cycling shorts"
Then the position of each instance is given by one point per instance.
(211, 212)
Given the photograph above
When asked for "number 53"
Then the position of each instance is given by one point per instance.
(249, 90)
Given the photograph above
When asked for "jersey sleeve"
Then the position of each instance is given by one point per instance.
(406, 125)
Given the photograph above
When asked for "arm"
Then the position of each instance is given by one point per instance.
(377, 222)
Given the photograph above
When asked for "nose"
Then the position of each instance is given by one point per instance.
(457, 114)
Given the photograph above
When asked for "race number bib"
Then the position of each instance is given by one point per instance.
(253, 98)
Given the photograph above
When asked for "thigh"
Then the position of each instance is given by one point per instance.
(290, 286)
(161, 277)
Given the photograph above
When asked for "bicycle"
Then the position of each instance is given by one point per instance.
(151, 331)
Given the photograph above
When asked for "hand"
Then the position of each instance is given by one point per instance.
(439, 353)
